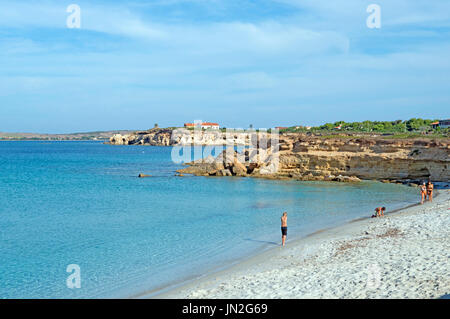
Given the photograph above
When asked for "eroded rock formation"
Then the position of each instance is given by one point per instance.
(154, 137)
(307, 157)
(339, 159)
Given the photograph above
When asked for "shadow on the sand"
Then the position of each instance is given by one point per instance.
(262, 241)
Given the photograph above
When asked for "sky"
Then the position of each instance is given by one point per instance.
(268, 63)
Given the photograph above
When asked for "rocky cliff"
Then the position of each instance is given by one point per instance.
(345, 158)
(168, 137)
(308, 157)
(154, 137)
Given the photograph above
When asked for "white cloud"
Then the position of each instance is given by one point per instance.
(305, 64)
(262, 37)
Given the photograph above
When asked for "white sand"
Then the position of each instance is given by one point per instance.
(403, 255)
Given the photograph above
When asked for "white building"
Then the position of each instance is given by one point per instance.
(204, 125)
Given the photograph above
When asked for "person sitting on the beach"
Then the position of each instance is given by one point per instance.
(430, 188)
(423, 192)
(283, 228)
(379, 211)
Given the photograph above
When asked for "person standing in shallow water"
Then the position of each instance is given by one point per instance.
(283, 228)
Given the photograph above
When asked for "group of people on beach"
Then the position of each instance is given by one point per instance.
(426, 191)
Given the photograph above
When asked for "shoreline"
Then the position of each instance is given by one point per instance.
(166, 289)
(250, 277)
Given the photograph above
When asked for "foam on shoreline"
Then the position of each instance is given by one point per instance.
(403, 255)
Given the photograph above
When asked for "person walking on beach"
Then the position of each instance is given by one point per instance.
(423, 192)
(283, 228)
(430, 188)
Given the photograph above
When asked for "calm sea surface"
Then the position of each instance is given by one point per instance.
(81, 203)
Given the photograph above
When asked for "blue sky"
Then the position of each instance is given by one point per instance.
(236, 62)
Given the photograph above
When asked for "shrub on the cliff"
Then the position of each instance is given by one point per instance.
(411, 125)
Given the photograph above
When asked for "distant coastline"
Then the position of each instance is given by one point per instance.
(81, 136)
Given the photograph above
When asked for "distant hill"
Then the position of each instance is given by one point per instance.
(82, 136)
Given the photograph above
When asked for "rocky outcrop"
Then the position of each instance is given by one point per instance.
(170, 137)
(153, 137)
(346, 159)
(307, 157)
(368, 158)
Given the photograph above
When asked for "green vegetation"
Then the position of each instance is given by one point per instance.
(415, 127)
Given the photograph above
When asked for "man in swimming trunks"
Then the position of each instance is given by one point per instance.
(430, 188)
(423, 192)
(283, 228)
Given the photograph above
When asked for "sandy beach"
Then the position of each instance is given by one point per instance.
(402, 255)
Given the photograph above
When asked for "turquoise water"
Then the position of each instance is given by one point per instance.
(81, 203)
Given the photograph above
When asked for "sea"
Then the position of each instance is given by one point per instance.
(77, 222)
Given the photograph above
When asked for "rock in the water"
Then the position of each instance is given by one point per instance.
(239, 169)
(224, 172)
(347, 179)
